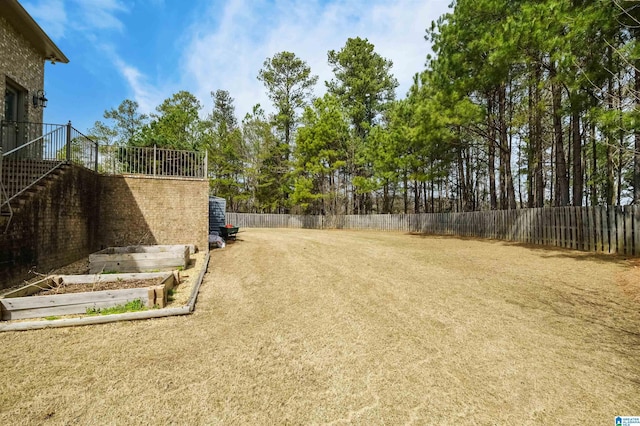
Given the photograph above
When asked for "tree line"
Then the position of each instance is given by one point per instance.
(523, 104)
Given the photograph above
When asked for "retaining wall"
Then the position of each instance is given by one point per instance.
(58, 225)
(140, 210)
(80, 212)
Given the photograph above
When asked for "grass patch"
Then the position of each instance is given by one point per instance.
(171, 295)
(133, 306)
(51, 318)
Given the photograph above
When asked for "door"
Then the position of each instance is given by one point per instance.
(10, 122)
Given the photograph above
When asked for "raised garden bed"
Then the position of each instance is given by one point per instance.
(140, 258)
(74, 294)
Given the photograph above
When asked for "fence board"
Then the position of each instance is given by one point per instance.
(628, 230)
(598, 229)
(611, 227)
(560, 224)
(589, 225)
(636, 230)
(537, 225)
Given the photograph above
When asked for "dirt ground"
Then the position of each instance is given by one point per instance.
(347, 327)
(99, 286)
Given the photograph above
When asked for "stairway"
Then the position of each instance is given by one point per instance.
(15, 182)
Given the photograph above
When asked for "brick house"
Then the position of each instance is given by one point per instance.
(24, 48)
(56, 204)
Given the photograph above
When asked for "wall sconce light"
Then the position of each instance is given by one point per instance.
(39, 99)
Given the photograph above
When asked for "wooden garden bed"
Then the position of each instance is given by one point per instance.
(140, 258)
(74, 294)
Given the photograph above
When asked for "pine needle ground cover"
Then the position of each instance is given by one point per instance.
(347, 327)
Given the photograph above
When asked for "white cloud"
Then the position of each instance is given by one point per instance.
(95, 15)
(145, 94)
(51, 15)
(59, 18)
(227, 47)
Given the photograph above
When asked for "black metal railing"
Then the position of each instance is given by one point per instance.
(152, 161)
(31, 151)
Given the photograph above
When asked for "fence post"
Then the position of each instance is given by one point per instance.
(69, 141)
(96, 162)
(206, 165)
(155, 159)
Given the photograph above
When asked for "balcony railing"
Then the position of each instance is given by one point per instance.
(152, 161)
(31, 151)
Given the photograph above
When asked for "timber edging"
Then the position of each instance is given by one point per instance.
(154, 313)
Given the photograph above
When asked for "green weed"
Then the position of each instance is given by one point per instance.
(133, 306)
(170, 295)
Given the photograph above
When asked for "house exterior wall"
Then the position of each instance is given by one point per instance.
(22, 65)
(57, 226)
(80, 212)
(139, 210)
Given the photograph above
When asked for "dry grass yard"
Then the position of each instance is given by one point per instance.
(347, 327)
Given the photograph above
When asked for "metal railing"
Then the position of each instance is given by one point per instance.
(81, 150)
(153, 161)
(31, 151)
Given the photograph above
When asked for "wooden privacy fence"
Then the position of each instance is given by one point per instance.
(605, 229)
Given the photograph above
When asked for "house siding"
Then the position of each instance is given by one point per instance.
(21, 63)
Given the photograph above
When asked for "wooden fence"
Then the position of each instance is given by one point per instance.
(604, 229)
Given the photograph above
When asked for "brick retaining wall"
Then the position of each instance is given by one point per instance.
(139, 210)
(80, 212)
(55, 227)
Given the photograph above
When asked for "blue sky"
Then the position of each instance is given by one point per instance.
(146, 50)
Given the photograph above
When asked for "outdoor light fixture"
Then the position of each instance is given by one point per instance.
(39, 100)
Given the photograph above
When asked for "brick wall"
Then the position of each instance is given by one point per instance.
(23, 66)
(55, 227)
(138, 210)
(80, 212)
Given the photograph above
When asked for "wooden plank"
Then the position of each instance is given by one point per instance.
(537, 225)
(530, 226)
(30, 302)
(105, 278)
(565, 227)
(548, 226)
(579, 228)
(151, 297)
(571, 228)
(569, 222)
(636, 230)
(160, 299)
(561, 226)
(552, 224)
(135, 265)
(620, 230)
(590, 229)
(42, 306)
(628, 230)
(30, 289)
(161, 248)
(611, 226)
(604, 229)
(160, 256)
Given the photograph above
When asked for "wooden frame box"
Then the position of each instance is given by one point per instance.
(19, 304)
(139, 258)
